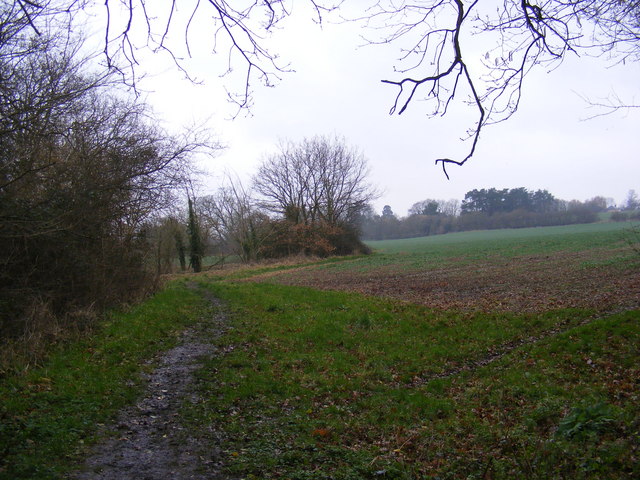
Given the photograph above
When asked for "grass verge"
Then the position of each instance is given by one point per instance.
(329, 385)
(50, 414)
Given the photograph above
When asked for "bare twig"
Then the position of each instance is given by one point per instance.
(437, 42)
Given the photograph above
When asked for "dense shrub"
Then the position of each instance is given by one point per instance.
(288, 238)
(81, 171)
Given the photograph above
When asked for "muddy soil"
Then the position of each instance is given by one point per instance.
(148, 440)
(524, 284)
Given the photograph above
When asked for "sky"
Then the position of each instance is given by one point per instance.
(336, 89)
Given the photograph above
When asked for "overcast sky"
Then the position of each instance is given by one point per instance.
(336, 90)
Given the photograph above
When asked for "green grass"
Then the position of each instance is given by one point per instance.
(539, 239)
(48, 415)
(336, 385)
(470, 247)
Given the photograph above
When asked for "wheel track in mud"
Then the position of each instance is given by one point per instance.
(500, 351)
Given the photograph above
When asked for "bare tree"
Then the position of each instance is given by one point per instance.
(436, 207)
(470, 52)
(236, 220)
(631, 202)
(318, 180)
(450, 207)
(237, 29)
(82, 169)
(318, 189)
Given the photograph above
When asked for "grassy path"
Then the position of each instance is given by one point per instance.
(149, 439)
(49, 416)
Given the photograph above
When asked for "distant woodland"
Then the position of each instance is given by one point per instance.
(492, 209)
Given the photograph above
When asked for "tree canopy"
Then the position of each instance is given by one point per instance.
(318, 188)
(316, 180)
(485, 209)
(492, 201)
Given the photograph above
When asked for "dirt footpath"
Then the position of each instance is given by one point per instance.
(150, 442)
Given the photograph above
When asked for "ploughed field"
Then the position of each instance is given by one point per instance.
(534, 269)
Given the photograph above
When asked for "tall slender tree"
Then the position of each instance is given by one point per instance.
(196, 244)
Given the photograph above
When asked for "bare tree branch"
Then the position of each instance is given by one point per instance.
(608, 106)
(441, 45)
(242, 27)
(450, 51)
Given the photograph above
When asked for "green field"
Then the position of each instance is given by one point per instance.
(537, 239)
(500, 354)
(505, 243)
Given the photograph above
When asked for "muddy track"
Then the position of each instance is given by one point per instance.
(148, 440)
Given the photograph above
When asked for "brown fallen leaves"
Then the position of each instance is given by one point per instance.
(518, 284)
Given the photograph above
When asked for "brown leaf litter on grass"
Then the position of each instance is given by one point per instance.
(520, 284)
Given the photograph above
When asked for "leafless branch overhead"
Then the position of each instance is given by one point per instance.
(479, 53)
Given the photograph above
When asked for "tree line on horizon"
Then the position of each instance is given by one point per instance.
(483, 209)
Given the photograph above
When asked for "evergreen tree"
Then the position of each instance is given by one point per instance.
(196, 246)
